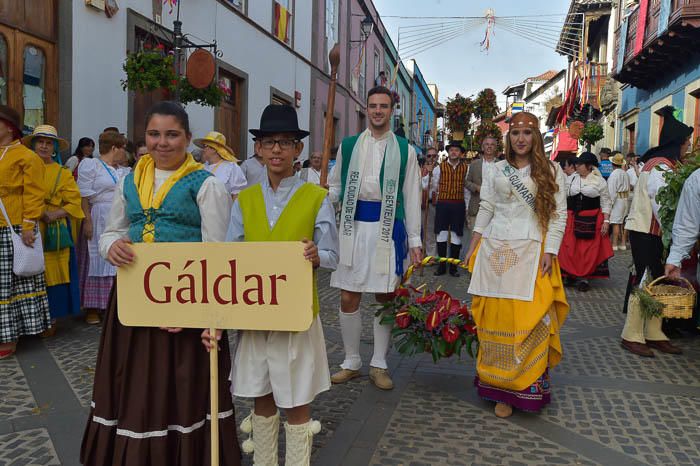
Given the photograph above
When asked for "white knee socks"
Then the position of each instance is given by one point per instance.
(299, 441)
(382, 339)
(265, 434)
(351, 328)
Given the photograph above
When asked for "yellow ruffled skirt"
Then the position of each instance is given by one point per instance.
(519, 340)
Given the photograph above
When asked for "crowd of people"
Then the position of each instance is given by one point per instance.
(527, 227)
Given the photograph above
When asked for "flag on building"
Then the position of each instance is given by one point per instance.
(282, 21)
(517, 107)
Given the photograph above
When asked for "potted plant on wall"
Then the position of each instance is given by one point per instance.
(459, 112)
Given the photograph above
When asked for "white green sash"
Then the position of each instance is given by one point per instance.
(518, 186)
(353, 183)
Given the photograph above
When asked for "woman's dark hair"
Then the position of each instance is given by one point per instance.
(170, 108)
(567, 162)
(83, 142)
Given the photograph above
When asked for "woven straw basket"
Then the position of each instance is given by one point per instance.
(678, 301)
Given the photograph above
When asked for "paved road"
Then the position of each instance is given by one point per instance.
(609, 407)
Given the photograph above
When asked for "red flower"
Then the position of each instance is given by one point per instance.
(428, 298)
(160, 47)
(471, 329)
(147, 46)
(403, 319)
(433, 320)
(450, 333)
(174, 82)
(142, 69)
(401, 293)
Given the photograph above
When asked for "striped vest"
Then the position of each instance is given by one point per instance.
(451, 187)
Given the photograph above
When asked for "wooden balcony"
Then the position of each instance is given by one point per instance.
(658, 48)
(598, 76)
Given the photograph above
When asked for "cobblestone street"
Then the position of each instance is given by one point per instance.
(609, 407)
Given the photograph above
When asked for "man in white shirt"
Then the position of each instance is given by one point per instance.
(377, 182)
(312, 173)
(686, 226)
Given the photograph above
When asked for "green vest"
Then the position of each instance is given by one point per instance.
(348, 145)
(297, 221)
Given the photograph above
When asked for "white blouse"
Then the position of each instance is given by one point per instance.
(592, 186)
(97, 180)
(214, 208)
(230, 175)
(618, 182)
(503, 216)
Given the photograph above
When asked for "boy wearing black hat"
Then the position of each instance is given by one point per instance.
(449, 182)
(283, 369)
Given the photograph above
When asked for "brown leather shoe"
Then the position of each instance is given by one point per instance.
(92, 317)
(380, 378)
(344, 375)
(640, 349)
(664, 346)
(503, 410)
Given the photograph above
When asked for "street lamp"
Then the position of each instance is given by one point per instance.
(366, 28)
(426, 138)
(419, 116)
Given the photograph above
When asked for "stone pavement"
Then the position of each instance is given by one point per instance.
(609, 407)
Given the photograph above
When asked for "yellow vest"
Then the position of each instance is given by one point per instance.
(297, 221)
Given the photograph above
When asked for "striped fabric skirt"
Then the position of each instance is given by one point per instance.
(94, 291)
(24, 306)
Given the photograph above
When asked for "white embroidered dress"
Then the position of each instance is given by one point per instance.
(230, 174)
(364, 275)
(98, 182)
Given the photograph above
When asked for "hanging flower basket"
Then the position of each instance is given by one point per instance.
(210, 96)
(149, 69)
(459, 113)
(427, 321)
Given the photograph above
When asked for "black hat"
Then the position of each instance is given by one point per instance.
(279, 119)
(588, 158)
(673, 135)
(457, 144)
(11, 116)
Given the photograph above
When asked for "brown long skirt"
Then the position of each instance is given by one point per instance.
(151, 399)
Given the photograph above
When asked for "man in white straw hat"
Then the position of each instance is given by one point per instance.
(221, 162)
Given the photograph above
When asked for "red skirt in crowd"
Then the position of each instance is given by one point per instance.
(585, 258)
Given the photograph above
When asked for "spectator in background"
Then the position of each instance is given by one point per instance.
(58, 224)
(85, 149)
(221, 162)
(619, 188)
(604, 166)
(141, 149)
(312, 174)
(254, 170)
(97, 180)
(24, 308)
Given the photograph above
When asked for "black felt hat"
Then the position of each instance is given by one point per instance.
(588, 158)
(457, 144)
(277, 119)
(673, 135)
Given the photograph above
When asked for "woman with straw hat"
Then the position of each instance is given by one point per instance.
(619, 187)
(24, 308)
(58, 224)
(221, 162)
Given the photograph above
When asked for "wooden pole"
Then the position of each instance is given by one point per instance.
(425, 216)
(334, 58)
(214, 397)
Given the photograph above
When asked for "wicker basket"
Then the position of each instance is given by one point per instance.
(678, 301)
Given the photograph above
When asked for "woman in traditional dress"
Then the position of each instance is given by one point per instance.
(518, 301)
(24, 308)
(619, 189)
(586, 247)
(97, 180)
(151, 394)
(221, 162)
(61, 215)
(85, 149)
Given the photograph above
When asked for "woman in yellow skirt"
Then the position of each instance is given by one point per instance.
(518, 300)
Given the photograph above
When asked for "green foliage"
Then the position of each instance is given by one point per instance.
(209, 96)
(490, 129)
(485, 105)
(459, 113)
(149, 70)
(668, 196)
(648, 305)
(592, 133)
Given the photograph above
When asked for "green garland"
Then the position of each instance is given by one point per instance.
(668, 196)
(210, 96)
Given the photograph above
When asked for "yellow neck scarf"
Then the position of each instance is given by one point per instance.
(144, 179)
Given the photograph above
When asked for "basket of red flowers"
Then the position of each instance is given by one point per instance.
(426, 321)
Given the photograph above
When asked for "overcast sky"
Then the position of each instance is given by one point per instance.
(459, 65)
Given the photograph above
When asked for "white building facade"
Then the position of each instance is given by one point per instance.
(260, 63)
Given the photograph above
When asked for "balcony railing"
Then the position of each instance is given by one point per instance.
(682, 13)
(598, 76)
